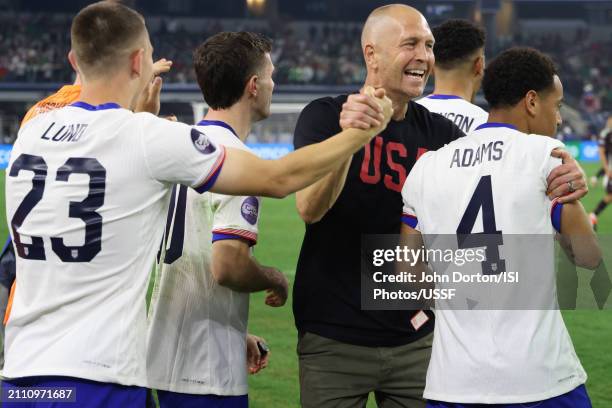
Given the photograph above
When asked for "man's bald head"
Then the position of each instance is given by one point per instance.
(397, 45)
(384, 18)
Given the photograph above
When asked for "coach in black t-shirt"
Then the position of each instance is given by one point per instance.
(346, 352)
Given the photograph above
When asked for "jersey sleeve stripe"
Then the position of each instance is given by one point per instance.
(555, 215)
(209, 181)
(231, 233)
(410, 220)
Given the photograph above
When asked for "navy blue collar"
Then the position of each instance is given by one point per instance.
(217, 123)
(496, 125)
(442, 96)
(104, 106)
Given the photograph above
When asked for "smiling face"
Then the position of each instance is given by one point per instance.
(400, 54)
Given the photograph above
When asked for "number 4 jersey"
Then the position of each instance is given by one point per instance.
(494, 181)
(87, 191)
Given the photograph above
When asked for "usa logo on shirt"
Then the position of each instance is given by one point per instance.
(249, 209)
(201, 142)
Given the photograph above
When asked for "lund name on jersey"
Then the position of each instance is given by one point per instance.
(66, 133)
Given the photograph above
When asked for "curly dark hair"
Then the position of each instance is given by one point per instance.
(224, 63)
(515, 72)
(456, 40)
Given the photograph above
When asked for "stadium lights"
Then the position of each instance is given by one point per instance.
(256, 7)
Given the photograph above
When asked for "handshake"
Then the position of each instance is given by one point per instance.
(370, 110)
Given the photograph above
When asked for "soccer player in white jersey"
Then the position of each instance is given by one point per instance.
(87, 190)
(499, 170)
(605, 155)
(197, 338)
(458, 72)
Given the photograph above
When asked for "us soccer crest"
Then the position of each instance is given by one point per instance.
(250, 209)
(201, 142)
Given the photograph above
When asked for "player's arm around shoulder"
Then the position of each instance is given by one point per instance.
(567, 181)
(576, 234)
(319, 120)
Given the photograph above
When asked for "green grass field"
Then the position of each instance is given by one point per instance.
(280, 237)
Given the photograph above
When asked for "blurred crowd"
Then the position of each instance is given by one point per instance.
(585, 67)
(33, 48)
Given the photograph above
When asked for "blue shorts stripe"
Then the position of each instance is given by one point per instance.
(577, 398)
(90, 394)
(169, 399)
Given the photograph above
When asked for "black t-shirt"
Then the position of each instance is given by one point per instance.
(327, 290)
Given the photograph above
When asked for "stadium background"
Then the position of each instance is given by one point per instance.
(317, 52)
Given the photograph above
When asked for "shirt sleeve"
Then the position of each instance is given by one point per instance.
(180, 154)
(556, 210)
(236, 218)
(319, 120)
(411, 194)
(549, 162)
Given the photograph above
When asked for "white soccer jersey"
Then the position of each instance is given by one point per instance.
(87, 192)
(197, 329)
(495, 356)
(462, 113)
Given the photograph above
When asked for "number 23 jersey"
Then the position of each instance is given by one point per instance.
(87, 190)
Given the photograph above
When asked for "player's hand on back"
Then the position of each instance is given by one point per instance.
(277, 295)
(255, 360)
(568, 180)
(364, 110)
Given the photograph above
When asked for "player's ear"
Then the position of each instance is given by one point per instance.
(73, 62)
(370, 56)
(531, 103)
(251, 87)
(479, 66)
(136, 61)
